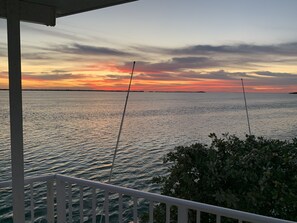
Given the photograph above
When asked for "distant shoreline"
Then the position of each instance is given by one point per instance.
(293, 93)
(108, 91)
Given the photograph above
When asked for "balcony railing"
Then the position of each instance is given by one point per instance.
(67, 198)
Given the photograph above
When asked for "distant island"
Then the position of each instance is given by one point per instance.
(107, 90)
(177, 91)
(293, 92)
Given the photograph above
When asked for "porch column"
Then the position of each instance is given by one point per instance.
(15, 103)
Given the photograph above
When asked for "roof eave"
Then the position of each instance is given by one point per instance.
(46, 11)
(105, 5)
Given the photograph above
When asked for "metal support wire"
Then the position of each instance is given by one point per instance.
(246, 109)
(120, 129)
(122, 122)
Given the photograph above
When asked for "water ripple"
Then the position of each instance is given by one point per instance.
(74, 133)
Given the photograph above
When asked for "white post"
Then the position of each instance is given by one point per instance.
(120, 208)
(182, 214)
(61, 201)
(16, 117)
(50, 202)
(151, 212)
(135, 210)
(106, 206)
(81, 204)
(168, 207)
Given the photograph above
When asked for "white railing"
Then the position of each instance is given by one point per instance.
(67, 187)
(49, 181)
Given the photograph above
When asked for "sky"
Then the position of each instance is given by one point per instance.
(189, 45)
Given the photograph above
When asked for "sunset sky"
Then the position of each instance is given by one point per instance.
(189, 45)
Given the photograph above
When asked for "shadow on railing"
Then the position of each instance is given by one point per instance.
(70, 199)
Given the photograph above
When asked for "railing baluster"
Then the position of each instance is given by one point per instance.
(61, 203)
(198, 216)
(151, 212)
(70, 201)
(50, 202)
(182, 214)
(168, 206)
(106, 206)
(32, 202)
(93, 205)
(81, 204)
(120, 208)
(58, 182)
(218, 219)
(135, 209)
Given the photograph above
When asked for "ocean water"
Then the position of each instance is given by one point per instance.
(75, 133)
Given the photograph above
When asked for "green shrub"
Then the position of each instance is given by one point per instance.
(256, 175)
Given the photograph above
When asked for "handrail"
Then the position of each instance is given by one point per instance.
(29, 180)
(244, 216)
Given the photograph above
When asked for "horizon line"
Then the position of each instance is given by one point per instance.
(157, 91)
(140, 91)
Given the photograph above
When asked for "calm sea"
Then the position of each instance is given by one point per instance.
(75, 133)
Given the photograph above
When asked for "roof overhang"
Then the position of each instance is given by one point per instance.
(46, 11)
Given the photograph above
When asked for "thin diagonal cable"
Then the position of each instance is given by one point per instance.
(121, 126)
(120, 129)
(246, 109)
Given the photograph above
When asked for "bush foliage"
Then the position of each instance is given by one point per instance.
(255, 175)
